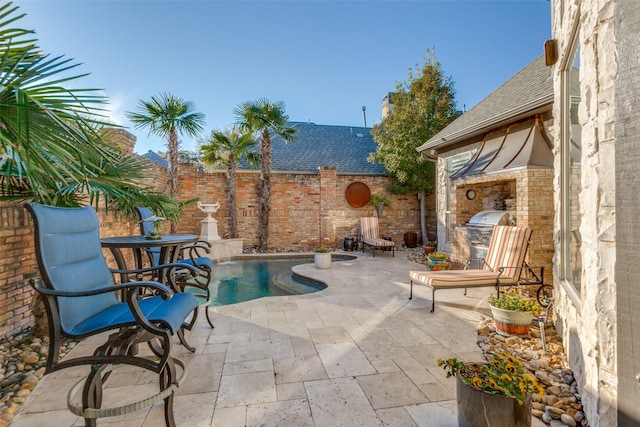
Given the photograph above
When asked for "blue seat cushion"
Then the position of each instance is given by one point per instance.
(171, 313)
(201, 261)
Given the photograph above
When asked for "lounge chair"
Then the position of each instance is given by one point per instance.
(82, 300)
(191, 255)
(503, 266)
(371, 236)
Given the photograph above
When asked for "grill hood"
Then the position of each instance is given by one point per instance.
(489, 218)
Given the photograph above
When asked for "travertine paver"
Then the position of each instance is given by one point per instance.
(358, 353)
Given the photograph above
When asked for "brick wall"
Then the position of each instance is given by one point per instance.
(298, 201)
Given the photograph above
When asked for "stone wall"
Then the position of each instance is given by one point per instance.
(587, 320)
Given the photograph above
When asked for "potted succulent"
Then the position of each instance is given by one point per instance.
(437, 261)
(322, 258)
(493, 394)
(429, 247)
(379, 202)
(513, 312)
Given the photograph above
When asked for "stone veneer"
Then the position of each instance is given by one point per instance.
(587, 321)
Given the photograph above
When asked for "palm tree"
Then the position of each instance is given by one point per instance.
(168, 116)
(229, 148)
(51, 147)
(264, 117)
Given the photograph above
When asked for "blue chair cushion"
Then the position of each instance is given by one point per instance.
(201, 261)
(171, 313)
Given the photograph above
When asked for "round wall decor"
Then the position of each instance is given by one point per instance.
(358, 194)
(471, 194)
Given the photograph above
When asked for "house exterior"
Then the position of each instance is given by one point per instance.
(594, 129)
(498, 156)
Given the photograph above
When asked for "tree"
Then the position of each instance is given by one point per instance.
(422, 106)
(52, 150)
(229, 148)
(168, 116)
(264, 117)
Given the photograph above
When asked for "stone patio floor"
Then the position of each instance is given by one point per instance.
(358, 353)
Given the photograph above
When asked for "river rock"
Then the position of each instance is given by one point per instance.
(568, 420)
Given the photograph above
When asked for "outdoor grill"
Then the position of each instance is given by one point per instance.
(480, 228)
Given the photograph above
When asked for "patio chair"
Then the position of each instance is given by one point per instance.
(81, 299)
(190, 255)
(503, 266)
(371, 236)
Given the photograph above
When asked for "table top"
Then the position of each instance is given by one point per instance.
(140, 241)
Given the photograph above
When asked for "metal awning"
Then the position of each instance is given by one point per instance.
(521, 144)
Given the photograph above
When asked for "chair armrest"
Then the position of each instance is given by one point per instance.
(177, 265)
(165, 291)
(193, 251)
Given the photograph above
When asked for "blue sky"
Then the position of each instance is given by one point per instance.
(323, 59)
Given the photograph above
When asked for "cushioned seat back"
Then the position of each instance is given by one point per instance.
(70, 258)
(508, 248)
(369, 228)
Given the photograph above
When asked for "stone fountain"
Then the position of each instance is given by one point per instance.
(221, 249)
(209, 224)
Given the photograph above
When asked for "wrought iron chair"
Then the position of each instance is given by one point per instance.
(504, 266)
(81, 299)
(371, 236)
(192, 255)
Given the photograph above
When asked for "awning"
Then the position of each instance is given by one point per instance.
(521, 144)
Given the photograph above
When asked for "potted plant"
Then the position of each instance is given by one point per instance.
(437, 261)
(513, 312)
(379, 202)
(411, 239)
(493, 394)
(429, 247)
(322, 258)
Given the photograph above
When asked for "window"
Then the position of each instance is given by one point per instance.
(571, 153)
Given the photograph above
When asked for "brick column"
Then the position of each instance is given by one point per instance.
(328, 177)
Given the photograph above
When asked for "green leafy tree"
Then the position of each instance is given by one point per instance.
(228, 149)
(52, 150)
(265, 118)
(422, 106)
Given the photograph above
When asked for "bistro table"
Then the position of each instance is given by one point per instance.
(169, 245)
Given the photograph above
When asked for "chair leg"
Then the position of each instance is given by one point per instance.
(206, 310)
(92, 393)
(167, 377)
(411, 289)
(183, 340)
(433, 300)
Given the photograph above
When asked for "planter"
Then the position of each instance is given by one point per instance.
(322, 260)
(411, 239)
(509, 322)
(428, 249)
(437, 264)
(477, 408)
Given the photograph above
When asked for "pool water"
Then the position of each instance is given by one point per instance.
(246, 279)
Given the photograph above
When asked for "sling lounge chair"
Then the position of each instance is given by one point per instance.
(503, 266)
(82, 300)
(193, 255)
(371, 236)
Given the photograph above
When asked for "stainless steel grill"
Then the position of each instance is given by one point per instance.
(480, 228)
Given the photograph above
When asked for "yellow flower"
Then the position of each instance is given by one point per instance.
(492, 383)
(505, 377)
(440, 362)
(495, 363)
(510, 368)
(523, 388)
(529, 378)
(477, 382)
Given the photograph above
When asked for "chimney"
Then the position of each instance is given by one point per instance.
(364, 115)
(387, 105)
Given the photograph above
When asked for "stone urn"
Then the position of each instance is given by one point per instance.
(322, 258)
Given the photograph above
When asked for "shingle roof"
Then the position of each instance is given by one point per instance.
(530, 89)
(343, 147)
(156, 158)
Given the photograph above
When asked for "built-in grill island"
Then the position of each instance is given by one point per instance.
(479, 229)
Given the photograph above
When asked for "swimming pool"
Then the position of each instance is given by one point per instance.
(246, 279)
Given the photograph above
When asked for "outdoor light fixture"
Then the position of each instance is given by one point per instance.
(550, 52)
